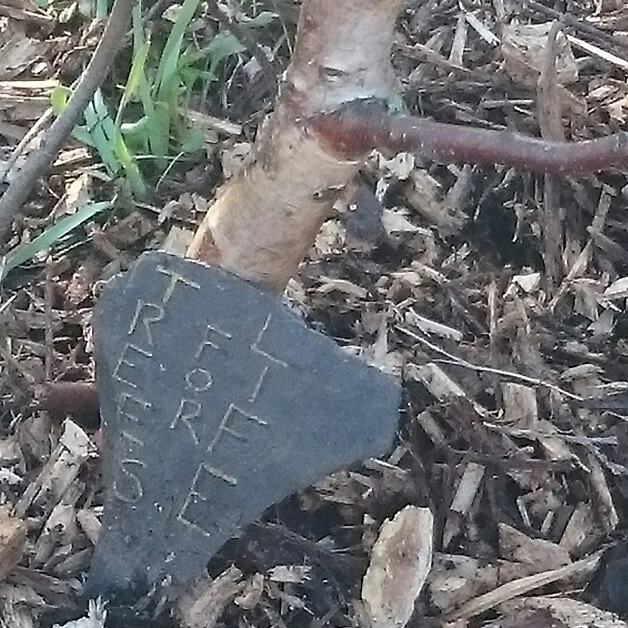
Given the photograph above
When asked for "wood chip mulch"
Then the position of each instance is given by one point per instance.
(497, 296)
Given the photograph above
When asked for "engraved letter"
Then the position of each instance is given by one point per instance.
(232, 413)
(150, 313)
(210, 339)
(174, 279)
(129, 406)
(128, 348)
(188, 410)
(194, 512)
(256, 348)
(132, 439)
(198, 379)
(258, 385)
(128, 487)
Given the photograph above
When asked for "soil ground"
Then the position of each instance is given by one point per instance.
(498, 297)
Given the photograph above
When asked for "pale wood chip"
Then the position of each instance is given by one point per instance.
(203, 604)
(289, 573)
(522, 586)
(598, 52)
(73, 449)
(466, 492)
(60, 528)
(252, 592)
(96, 617)
(603, 499)
(520, 405)
(582, 530)
(177, 241)
(523, 47)
(90, 523)
(564, 611)
(541, 554)
(12, 541)
(400, 562)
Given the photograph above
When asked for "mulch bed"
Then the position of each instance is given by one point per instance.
(497, 296)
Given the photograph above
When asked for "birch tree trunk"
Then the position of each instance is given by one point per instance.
(265, 220)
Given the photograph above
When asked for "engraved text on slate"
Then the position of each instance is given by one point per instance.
(217, 402)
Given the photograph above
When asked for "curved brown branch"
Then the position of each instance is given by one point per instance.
(361, 127)
(39, 161)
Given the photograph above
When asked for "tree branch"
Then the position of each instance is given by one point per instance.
(362, 126)
(266, 219)
(39, 160)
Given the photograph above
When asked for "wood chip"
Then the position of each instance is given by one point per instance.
(12, 541)
(522, 586)
(400, 563)
(73, 449)
(563, 611)
(203, 605)
(541, 554)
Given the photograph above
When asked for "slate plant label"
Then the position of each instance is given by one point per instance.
(216, 403)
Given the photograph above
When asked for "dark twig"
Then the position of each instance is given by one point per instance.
(79, 399)
(576, 23)
(39, 161)
(360, 127)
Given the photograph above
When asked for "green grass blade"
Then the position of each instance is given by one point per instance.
(170, 57)
(223, 45)
(220, 47)
(262, 19)
(24, 252)
(159, 125)
(81, 134)
(59, 98)
(130, 167)
(137, 26)
(135, 76)
(101, 129)
(102, 8)
(133, 85)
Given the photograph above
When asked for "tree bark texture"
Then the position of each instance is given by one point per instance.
(265, 220)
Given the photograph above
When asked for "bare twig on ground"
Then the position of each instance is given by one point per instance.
(360, 127)
(457, 361)
(574, 22)
(94, 75)
(79, 399)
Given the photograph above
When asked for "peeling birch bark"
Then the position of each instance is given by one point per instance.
(265, 221)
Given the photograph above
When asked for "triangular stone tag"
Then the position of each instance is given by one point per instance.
(216, 402)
